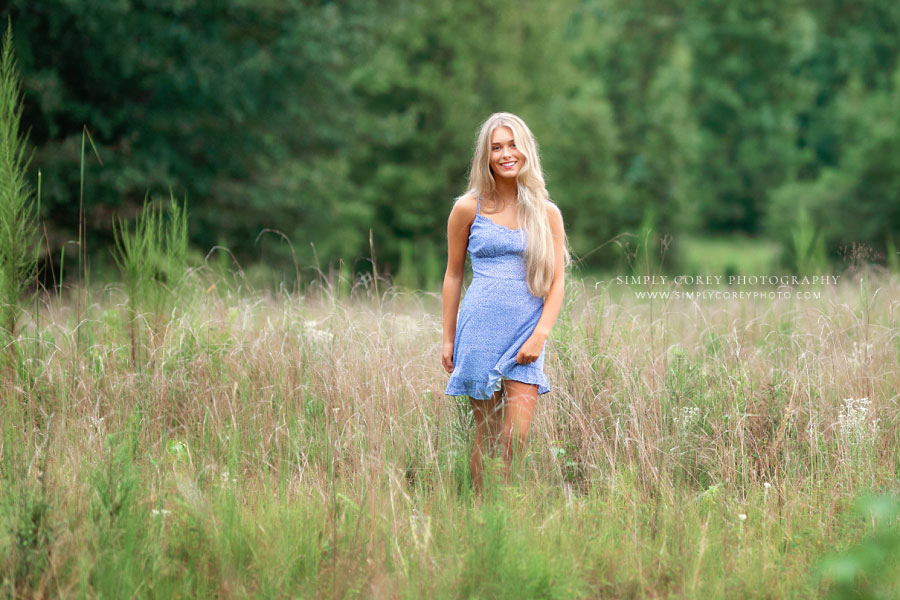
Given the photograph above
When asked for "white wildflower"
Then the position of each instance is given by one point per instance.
(861, 354)
(742, 516)
(98, 423)
(811, 429)
(312, 332)
(687, 417)
(854, 423)
(160, 513)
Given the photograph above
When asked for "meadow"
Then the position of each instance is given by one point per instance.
(228, 442)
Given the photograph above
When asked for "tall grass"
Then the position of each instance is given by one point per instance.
(301, 446)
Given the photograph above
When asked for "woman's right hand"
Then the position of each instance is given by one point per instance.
(447, 357)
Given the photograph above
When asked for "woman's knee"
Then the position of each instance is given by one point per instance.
(515, 430)
(479, 407)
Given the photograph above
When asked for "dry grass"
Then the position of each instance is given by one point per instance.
(302, 446)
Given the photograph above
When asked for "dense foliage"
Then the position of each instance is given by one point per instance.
(327, 119)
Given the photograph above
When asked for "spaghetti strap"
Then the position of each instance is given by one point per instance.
(478, 209)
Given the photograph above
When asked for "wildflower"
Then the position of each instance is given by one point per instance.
(312, 332)
(853, 421)
(811, 429)
(687, 417)
(742, 517)
(861, 354)
(161, 512)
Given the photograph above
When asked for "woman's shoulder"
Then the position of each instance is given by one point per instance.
(464, 208)
(554, 217)
(553, 211)
(466, 201)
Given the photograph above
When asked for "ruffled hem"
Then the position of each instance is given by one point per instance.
(481, 389)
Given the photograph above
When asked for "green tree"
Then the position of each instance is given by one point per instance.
(440, 70)
(856, 201)
(746, 97)
(849, 135)
(240, 106)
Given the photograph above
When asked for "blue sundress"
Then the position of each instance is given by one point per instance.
(496, 316)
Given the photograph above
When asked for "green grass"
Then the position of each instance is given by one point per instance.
(301, 446)
(729, 255)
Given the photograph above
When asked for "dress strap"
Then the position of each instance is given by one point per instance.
(478, 210)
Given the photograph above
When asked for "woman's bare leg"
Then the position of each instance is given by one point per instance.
(517, 412)
(485, 412)
(495, 418)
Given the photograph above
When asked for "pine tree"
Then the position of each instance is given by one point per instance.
(18, 218)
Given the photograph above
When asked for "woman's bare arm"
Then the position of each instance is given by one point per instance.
(532, 347)
(461, 217)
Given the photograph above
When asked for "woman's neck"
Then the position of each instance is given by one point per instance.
(506, 192)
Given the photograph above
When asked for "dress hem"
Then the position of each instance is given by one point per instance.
(482, 390)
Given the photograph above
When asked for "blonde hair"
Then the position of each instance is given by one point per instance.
(532, 198)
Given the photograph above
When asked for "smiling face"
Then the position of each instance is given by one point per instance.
(506, 161)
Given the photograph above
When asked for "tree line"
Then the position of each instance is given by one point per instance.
(328, 120)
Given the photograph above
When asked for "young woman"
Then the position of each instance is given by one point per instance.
(514, 235)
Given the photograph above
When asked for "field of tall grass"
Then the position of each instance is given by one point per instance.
(182, 434)
(225, 442)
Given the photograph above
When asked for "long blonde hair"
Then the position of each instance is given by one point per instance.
(532, 198)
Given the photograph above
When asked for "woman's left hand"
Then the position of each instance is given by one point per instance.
(531, 349)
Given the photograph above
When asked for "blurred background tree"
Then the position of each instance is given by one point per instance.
(324, 120)
(242, 106)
